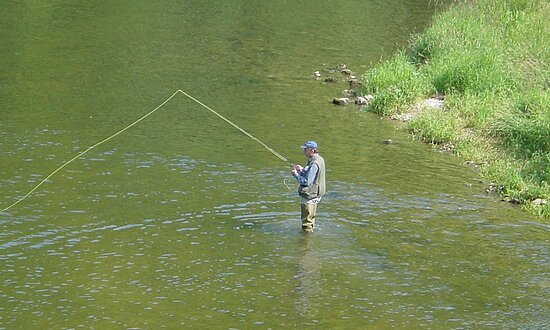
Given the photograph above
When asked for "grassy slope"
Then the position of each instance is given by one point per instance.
(489, 58)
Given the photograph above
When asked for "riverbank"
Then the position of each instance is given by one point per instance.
(487, 61)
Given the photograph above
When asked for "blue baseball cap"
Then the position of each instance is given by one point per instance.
(310, 144)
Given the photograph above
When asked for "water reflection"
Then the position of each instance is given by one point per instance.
(308, 277)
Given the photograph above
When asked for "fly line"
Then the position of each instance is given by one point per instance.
(278, 155)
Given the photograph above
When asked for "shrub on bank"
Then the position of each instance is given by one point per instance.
(489, 59)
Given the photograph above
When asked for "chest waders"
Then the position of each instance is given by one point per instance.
(312, 194)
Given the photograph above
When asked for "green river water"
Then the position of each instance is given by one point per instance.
(184, 222)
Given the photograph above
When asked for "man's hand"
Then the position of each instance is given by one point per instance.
(296, 169)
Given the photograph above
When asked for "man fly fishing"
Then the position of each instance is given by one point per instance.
(312, 184)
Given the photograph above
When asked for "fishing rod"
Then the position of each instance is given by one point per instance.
(278, 155)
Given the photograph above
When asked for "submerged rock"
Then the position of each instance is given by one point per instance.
(347, 72)
(340, 101)
(354, 83)
(512, 200)
(349, 93)
(364, 100)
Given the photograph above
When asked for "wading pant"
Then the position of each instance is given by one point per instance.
(309, 212)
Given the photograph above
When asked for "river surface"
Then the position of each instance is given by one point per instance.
(182, 221)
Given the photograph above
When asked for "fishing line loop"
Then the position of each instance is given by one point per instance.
(278, 155)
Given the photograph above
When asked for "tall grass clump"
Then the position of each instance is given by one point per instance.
(396, 84)
(525, 128)
(489, 60)
(436, 126)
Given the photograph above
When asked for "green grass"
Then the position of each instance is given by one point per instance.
(396, 83)
(436, 126)
(489, 58)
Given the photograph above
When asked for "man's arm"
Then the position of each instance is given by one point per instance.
(307, 178)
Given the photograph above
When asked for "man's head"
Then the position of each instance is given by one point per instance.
(310, 148)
